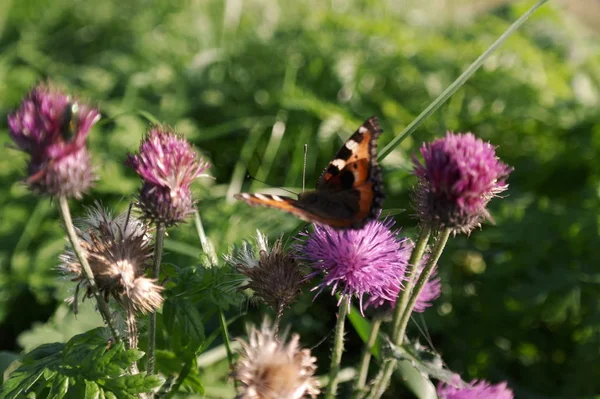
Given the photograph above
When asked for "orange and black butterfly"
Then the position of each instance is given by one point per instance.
(349, 192)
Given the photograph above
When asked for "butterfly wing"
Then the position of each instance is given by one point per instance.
(350, 190)
(352, 180)
(295, 207)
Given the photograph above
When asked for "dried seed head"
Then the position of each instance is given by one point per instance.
(118, 251)
(275, 276)
(272, 369)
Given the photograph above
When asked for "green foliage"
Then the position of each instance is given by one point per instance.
(88, 366)
(520, 298)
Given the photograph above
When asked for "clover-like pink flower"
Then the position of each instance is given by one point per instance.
(459, 176)
(475, 390)
(430, 292)
(371, 260)
(52, 128)
(167, 165)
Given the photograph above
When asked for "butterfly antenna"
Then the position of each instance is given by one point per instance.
(249, 176)
(304, 167)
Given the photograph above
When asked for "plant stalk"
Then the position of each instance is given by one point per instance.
(226, 339)
(390, 366)
(411, 272)
(338, 348)
(158, 249)
(366, 357)
(65, 213)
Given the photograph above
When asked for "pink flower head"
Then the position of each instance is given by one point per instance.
(431, 291)
(370, 261)
(475, 390)
(167, 165)
(52, 128)
(459, 176)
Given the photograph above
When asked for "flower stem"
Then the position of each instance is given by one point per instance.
(457, 84)
(389, 367)
(226, 339)
(158, 248)
(366, 357)
(278, 317)
(207, 247)
(338, 348)
(411, 272)
(65, 213)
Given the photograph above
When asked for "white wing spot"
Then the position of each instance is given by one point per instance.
(246, 196)
(351, 144)
(362, 130)
(339, 163)
(261, 196)
(277, 198)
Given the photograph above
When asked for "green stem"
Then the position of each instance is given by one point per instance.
(366, 357)
(411, 272)
(457, 84)
(206, 245)
(65, 213)
(185, 370)
(226, 338)
(158, 249)
(389, 368)
(338, 348)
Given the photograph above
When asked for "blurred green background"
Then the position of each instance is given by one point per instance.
(250, 81)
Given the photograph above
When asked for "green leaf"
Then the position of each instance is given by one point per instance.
(84, 367)
(425, 361)
(59, 387)
(363, 329)
(184, 323)
(92, 390)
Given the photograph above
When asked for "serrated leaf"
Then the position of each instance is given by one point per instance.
(82, 368)
(134, 383)
(425, 361)
(181, 313)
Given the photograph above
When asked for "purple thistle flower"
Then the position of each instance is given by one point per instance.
(431, 291)
(370, 261)
(459, 176)
(167, 165)
(475, 390)
(52, 128)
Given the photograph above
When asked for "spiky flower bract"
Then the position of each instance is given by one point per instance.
(167, 165)
(270, 368)
(431, 290)
(370, 261)
(118, 250)
(274, 276)
(459, 176)
(475, 390)
(52, 128)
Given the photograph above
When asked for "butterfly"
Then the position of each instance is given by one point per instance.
(349, 192)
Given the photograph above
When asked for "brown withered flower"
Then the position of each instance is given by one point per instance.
(272, 369)
(118, 250)
(274, 276)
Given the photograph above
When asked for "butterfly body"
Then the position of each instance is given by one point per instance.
(349, 192)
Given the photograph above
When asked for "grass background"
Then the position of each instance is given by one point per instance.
(250, 81)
